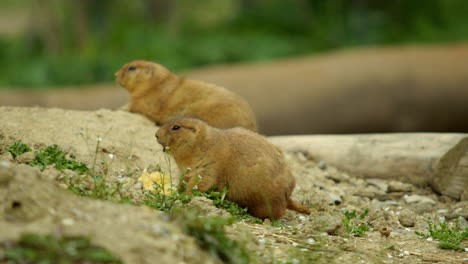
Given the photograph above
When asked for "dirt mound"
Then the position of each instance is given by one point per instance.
(31, 203)
(125, 141)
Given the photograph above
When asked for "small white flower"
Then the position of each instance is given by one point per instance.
(389, 256)
(295, 244)
(429, 239)
(195, 187)
(310, 241)
(111, 156)
(406, 252)
(99, 139)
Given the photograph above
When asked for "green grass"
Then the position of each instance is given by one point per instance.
(49, 156)
(450, 236)
(210, 235)
(53, 155)
(166, 202)
(45, 249)
(18, 148)
(353, 222)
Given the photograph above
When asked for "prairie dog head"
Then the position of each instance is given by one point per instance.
(181, 135)
(141, 75)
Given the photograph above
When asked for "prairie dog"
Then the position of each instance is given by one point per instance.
(253, 169)
(161, 96)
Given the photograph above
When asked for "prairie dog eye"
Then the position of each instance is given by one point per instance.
(131, 68)
(176, 127)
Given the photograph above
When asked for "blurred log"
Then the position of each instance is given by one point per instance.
(371, 90)
(437, 160)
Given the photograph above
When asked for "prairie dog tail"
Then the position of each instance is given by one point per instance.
(297, 207)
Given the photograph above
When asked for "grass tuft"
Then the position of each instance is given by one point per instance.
(353, 222)
(210, 235)
(450, 236)
(53, 155)
(18, 148)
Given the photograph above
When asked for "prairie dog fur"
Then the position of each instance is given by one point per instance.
(161, 96)
(253, 169)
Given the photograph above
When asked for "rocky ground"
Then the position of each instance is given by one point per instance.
(119, 146)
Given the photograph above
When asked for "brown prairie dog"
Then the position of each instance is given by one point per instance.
(161, 96)
(253, 169)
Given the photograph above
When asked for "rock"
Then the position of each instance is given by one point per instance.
(26, 157)
(383, 204)
(407, 218)
(322, 165)
(324, 223)
(419, 204)
(370, 191)
(333, 199)
(6, 156)
(418, 199)
(462, 223)
(206, 207)
(396, 186)
(51, 173)
(379, 183)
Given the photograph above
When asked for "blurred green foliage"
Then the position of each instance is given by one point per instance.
(87, 42)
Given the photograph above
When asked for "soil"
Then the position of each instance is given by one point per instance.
(121, 145)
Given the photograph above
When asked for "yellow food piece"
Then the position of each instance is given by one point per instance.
(156, 181)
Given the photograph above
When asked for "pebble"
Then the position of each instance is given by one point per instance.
(418, 199)
(322, 165)
(407, 218)
(396, 186)
(326, 223)
(462, 223)
(333, 199)
(381, 184)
